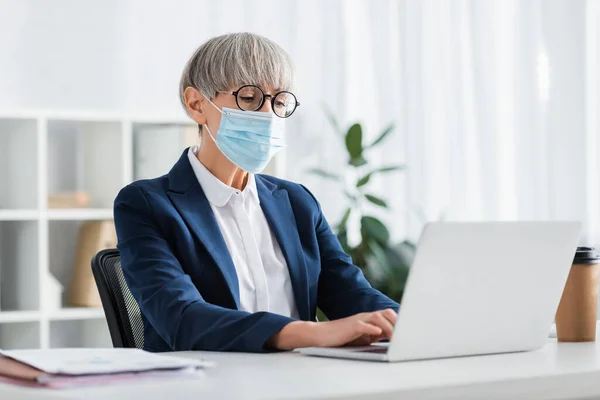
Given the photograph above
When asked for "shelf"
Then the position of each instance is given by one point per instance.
(19, 274)
(91, 214)
(157, 147)
(77, 313)
(71, 115)
(95, 116)
(19, 316)
(71, 214)
(161, 119)
(71, 265)
(82, 333)
(19, 215)
(18, 164)
(20, 335)
(86, 156)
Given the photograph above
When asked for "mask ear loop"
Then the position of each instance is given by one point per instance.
(206, 125)
(210, 134)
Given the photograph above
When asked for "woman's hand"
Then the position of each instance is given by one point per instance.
(357, 330)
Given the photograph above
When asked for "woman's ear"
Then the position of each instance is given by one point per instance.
(194, 103)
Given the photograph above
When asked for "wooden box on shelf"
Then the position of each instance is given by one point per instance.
(68, 200)
(93, 237)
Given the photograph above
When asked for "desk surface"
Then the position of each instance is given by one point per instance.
(556, 371)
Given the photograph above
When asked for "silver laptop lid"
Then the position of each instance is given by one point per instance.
(479, 288)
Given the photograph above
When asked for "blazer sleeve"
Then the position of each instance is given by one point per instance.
(166, 294)
(343, 289)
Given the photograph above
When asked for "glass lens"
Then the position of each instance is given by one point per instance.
(249, 98)
(284, 104)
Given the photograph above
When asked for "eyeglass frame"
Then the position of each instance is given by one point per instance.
(264, 97)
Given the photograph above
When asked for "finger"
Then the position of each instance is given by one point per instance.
(390, 315)
(364, 340)
(361, 334)
(375, 339)
(364, 328)
(386, 326)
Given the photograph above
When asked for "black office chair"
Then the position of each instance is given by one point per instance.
(122, 311)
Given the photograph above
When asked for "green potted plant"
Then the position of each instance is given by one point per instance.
(384, 264)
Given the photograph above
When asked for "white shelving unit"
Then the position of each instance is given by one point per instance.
(44, 152)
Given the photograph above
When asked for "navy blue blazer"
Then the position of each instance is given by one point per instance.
(179, 270)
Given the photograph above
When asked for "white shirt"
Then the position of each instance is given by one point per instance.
(263, 276)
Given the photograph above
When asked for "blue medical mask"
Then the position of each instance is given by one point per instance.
(249, 139)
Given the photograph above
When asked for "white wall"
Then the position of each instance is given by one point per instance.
(61, 54)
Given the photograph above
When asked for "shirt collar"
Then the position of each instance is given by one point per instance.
(218, 193)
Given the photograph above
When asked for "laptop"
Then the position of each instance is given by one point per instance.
(477, 288)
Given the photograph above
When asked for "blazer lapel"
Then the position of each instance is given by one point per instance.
(276, 206)
(188, 197)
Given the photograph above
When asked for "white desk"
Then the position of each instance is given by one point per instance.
(557, 371)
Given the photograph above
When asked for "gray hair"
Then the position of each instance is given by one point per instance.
(229, 61)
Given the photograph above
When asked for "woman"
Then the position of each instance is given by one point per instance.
(219, 258)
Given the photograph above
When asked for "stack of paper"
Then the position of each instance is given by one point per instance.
(59, 368)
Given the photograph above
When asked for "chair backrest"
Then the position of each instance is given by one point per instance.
(122, 311)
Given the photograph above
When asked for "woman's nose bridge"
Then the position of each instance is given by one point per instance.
(268, 97)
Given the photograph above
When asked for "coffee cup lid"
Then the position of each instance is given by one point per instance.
(586, 255)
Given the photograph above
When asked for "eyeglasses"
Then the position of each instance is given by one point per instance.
(252, 98)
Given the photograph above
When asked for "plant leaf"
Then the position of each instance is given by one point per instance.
(358, 256)
(377, 265)
(321, 317)
(350, 196)
(332, 120)
(354, 141)
(345, 217)
(409, 244)
(376, 200)
(342, 236)
(363, 181)
(386, 132)
(399, 269)
(324, 174)
(406, 252)
(357, 161)
(390, 169)
(373, 229)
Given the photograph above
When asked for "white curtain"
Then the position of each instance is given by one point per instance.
(495, 111)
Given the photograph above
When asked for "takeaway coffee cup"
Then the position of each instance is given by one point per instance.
(576, 315)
